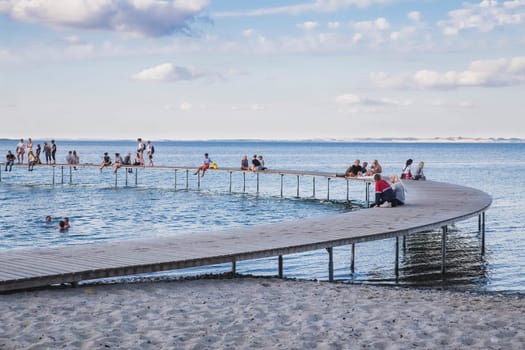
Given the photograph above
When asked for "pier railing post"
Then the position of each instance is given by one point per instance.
(230, 182)
(70, 175)
(313, 185)
(187, 179)
(234, 267)
(175, 179)
(116, 178)
(347, 191)
(330, 251)
(127, 171)
(328, 189)
(53, 175)
(62, 171)
(257, 182)
(243, 182)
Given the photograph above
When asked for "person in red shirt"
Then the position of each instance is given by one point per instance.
(385, 196)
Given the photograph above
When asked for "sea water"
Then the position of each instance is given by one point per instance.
(104, 207)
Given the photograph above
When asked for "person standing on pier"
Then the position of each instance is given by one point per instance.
(140, 150)
(150, 149)
(37, 154)
(20, 151)
(53, 151)
(47, 152)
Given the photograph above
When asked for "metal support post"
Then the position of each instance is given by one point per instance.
(230, 182)
(328, 190)
(243, 182)
(53, 175)
(352, 259)
(234, 267)
(479, 223)
(313, 185)
(187, 179)
(443, 249)
(116, 178)
(280, 266)
(198, 181)
(297, 196)
(282, 177)
(62, 170)
(483, 233)
(330, 264)
(175, 179)
(347, 191)
(136, 177)
(257, 183)
(397, 258)
(70, 175)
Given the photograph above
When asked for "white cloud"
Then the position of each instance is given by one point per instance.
(185, 106)
(334, 25)
(137, 17)
(379, 24)
(486, 73)
(314, 6)
(484, 16)
(166, 72)
(309, 25)
(352, 99)
(248, 32)
(414, 16)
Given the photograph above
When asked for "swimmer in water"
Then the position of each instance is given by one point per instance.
(48, 218)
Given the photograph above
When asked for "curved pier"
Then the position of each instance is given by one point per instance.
(430, 205)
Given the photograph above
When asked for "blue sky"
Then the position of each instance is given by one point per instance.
(203, 69)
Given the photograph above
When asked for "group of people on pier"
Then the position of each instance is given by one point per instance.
(138, 160)
(33, 156)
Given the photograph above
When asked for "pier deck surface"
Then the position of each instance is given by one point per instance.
(430, 205)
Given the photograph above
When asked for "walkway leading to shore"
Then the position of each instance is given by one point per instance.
(431, 205)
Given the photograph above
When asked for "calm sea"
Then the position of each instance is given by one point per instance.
(160, 205)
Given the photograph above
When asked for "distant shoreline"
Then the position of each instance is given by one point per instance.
(458, 139)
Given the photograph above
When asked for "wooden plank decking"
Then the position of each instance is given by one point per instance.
(430, 205)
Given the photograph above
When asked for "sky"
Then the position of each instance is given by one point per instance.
(261, 69)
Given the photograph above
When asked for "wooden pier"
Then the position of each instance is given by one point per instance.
(430, 205)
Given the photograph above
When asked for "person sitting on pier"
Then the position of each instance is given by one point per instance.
(419, 174)
(375, 168)
(106, 161)
(136, 160)
(406, 174)
(69, 158)
(255, 163)
(385, 196)
(354, 170)
(31, 160)
(244, 163)
(118, 162)
(262, 166)
(205, 165)
(127, 161)
(398, 188)
(76, 159)
(10, 160)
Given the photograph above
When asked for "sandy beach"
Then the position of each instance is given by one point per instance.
(263, 313)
